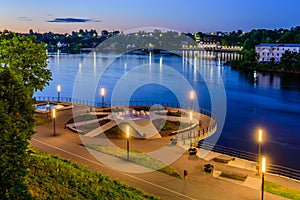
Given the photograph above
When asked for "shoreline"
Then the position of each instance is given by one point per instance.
(270, 71)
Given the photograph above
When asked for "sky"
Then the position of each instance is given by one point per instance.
(65, 16)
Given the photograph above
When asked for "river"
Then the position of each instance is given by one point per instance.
(253, 100)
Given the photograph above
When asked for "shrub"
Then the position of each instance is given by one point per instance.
(209, 168)
(174, 141)
(192, 151)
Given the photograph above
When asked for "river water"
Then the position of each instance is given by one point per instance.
(253, 100)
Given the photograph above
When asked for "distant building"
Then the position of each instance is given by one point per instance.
(209, 44)
(268, 51)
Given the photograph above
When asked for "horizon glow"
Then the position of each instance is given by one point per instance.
(184, 16)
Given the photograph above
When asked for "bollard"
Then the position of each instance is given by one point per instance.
(185, 173)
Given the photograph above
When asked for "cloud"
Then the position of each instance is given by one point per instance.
(24, 19)
(72, 20)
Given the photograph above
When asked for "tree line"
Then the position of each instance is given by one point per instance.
(71, 43)
(256, 36)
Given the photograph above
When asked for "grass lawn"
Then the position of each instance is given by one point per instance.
(85, 117)
(283, 191)
(51, 177)
(137, 157)
(85, 128)
(41, 121)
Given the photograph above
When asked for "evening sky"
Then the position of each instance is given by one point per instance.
(64, 16)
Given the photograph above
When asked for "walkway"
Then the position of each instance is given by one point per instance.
(198, 185)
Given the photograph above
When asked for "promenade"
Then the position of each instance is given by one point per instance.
(197, 185)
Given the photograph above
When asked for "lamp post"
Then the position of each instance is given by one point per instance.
(191, 118)
(263, 170)
(54, 116)
(192, 96)
(102, 93)
(58, 93)
(259, 147)
(127, 141)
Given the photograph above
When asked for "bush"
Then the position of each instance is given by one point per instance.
(175, 114)
(144, 108)
(209, 168)
(192, 151)
(174, 141)
(167, 126)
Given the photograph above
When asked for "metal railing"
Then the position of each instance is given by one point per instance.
(125, 103)
(284, 171)
(228, 151)
(271, 168)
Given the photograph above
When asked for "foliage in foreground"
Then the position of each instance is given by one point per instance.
(283, 191)
(51, 177)
(137, 157)
(23, 70)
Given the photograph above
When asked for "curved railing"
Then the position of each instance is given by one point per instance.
(125, 103)
(272, 168)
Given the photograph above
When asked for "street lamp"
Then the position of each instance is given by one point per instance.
(58, 93)
(102, 93)
(263, 170)
(127, 141)
(192, 96)
(54, 116)
(259, 147)
(191, 118)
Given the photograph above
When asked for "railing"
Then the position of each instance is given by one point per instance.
(284, 171)
(228, 151)
(125, 103)
(197, 135)
(272, 168)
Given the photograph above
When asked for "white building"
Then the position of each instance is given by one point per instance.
(209, 44)
(268, 51)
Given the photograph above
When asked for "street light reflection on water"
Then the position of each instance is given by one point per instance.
(273, 104)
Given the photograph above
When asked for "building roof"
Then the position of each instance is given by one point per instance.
(278, 45)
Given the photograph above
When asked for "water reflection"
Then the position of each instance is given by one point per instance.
(270, 80)
(264, 99)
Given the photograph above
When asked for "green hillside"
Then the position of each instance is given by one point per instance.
(51, 177)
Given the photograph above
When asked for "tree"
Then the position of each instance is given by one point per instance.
(23, 70)
(267, 40)
(289, 61)
(25, 56)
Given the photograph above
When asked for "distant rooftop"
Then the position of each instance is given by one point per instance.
(278, 45)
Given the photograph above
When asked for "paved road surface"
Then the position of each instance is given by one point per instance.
(198, 185)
